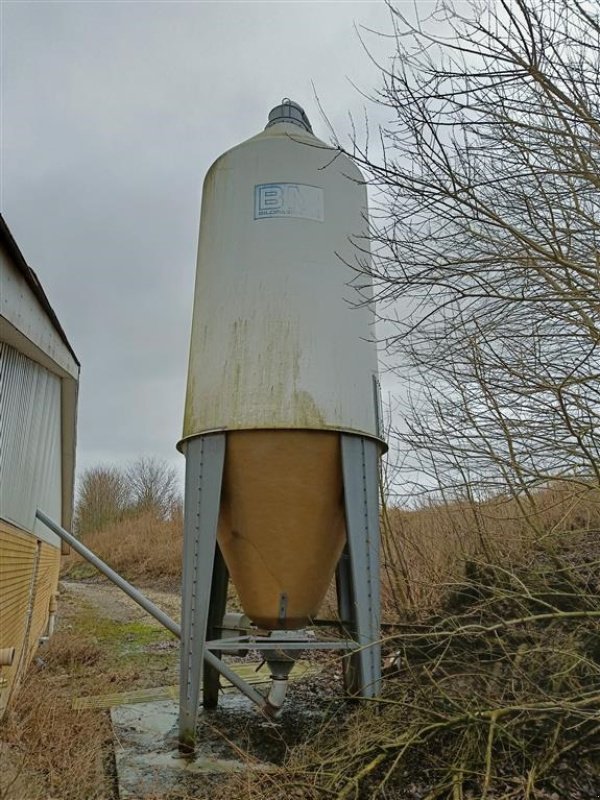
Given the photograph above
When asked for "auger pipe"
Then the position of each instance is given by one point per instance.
(113, 576)
(147, 605)
(238, 682)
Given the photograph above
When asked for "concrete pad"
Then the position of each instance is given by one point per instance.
(146, 754)
(233, 738)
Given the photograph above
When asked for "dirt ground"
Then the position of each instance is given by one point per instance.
(110, 601)
(105, 645)
(53, 744)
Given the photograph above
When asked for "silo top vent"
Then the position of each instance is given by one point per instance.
(288, 111)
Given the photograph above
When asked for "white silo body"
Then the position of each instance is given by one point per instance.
(277, 339)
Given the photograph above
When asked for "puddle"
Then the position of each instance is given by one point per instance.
(234, 737)
(146, 755)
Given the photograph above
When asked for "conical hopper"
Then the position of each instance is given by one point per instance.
(281, 527)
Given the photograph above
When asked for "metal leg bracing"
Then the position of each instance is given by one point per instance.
(358, 570)
(205, 457)
(345, 600)
(343, 586)
(216, 612)
(205, 580)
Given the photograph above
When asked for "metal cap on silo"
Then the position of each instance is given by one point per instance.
(289, 111)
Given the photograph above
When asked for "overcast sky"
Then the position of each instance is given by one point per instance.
(112, 113)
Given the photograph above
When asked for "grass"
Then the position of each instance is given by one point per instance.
(50, 751)
(143, 548)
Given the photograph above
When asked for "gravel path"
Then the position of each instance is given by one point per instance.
(112, 602)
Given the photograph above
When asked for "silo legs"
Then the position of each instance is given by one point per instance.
(205, 575)
(216, 612)
(357, 575)
(205, 456)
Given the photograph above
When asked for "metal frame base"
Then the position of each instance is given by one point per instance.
(205, 579)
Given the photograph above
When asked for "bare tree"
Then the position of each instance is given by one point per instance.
(486, 232)
(108, 494)
(153, 487)
(103, 498)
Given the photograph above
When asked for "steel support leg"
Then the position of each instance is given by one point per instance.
(216, 612)
(205, 457)
(358, 570)
(343, 586)
(345, 601)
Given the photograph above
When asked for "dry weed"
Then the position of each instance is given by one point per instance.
(141, 548)
(497, 696)
(427, 549)
(496, 690)
(50, 750)
(422, 550)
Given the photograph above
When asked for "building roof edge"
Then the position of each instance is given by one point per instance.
(8, 241)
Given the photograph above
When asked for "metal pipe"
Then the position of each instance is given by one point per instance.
(230, 675)
(113, 576)
(49, 628)
(249, 642)
(148, 606)
(276, 696)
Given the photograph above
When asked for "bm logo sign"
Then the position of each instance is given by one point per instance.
(288, 200)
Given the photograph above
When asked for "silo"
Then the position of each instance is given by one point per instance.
(282, 366)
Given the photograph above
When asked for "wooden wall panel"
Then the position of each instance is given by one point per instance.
(46, 586)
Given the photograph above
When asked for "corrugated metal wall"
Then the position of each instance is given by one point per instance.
(30, 442)
(30, 478)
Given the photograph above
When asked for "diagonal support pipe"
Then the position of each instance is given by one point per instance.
(152, 609)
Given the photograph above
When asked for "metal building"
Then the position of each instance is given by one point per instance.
(39, 374)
